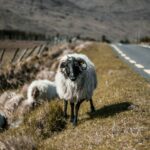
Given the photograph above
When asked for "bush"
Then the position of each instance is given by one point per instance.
(105, 39)
(21, 35)
(145, 39)
(46, 119)
(38, 125)
(125, 41)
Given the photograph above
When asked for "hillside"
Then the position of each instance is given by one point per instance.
(117, 19)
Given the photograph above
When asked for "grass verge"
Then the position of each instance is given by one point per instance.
(38, 125)
(121, 120)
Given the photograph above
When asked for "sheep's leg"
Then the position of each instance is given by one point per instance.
(92, 106)
(72, 112)
(77, 106)
(65, 108)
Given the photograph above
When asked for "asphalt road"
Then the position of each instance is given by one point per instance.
(137, 56)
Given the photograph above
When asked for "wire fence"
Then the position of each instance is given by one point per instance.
(19, 54)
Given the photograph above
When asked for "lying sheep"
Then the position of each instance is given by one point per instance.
(75, 81)
(41, 90)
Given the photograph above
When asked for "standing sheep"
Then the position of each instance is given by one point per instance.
(41, 90)
(75, 81)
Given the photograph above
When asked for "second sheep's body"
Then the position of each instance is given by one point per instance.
(75, 81)
(41, 90)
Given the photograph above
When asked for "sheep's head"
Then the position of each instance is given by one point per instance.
(73, 67)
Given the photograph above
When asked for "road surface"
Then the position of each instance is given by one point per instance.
(137, 56)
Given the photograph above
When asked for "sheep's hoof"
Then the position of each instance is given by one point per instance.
(75, 123)
(92, 110)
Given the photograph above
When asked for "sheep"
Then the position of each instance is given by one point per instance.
(41, 90)
(75, 81)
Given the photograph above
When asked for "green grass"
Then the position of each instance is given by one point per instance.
(121, 120)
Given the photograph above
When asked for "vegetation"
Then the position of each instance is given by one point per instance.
(145, 39)
(105, 39)
(38, 125)
(125, 41)
(122, 116)
(121, 120)
(20, 35)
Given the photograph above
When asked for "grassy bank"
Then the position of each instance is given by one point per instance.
(122, 116)
(121, 120)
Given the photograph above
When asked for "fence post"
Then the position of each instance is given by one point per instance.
(16, 52)
(22, 56)
(31, 51)
(2, 55)
(41, 49)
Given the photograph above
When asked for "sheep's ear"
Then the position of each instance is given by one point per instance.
(83, 64)
(35, 92)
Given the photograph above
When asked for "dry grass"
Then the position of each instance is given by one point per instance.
(121, 120)
(37, 126)
(122, 117)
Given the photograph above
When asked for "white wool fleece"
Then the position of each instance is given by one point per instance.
(80, 89)
(47, 90)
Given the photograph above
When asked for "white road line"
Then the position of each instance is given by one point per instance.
(127, 58)
(123, 55)
(116, 48)
(132, 61)
(147, 71)
(139, 66)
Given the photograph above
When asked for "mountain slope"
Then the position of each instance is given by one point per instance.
(117, 19)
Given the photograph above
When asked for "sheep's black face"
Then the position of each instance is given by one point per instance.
(73, 67)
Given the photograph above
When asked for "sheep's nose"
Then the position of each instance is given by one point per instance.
(72, 78)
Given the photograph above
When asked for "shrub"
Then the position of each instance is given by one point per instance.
(105, 39)
(145, 39)
(45, 120)
(38, 125)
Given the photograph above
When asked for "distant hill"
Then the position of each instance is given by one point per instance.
(117, 19)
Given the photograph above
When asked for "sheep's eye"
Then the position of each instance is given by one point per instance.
(81, 62)
(83, 65)
(63, 64)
